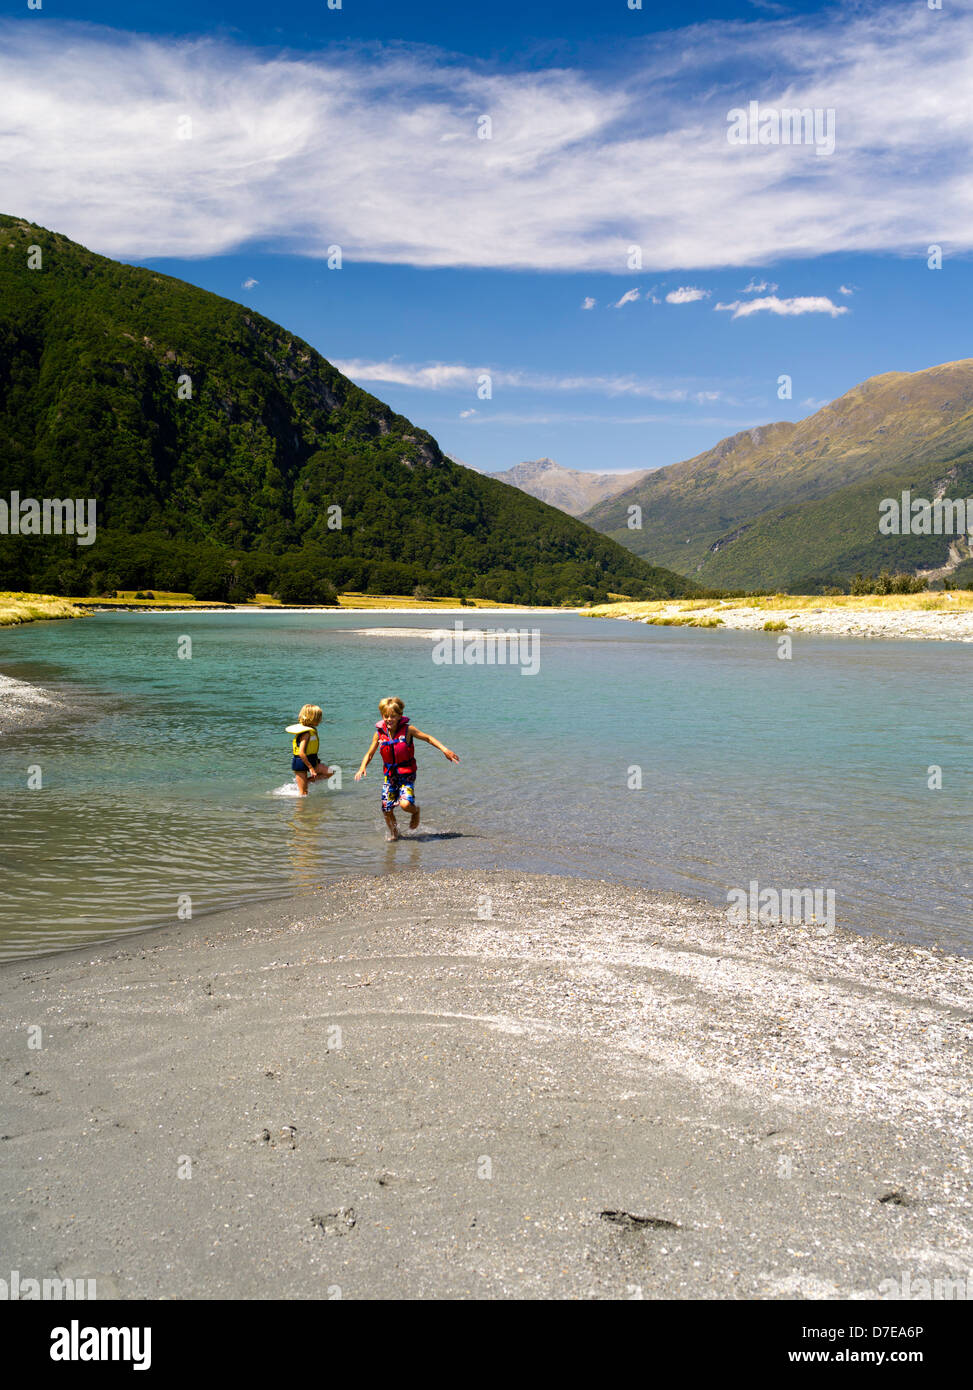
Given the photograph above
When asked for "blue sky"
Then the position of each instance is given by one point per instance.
(233, 146)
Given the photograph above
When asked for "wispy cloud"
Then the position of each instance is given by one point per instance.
(435, 376)
(453, 376)
(557, 417)
(686, 294)
(761, 287)
(846, 289)
(589, 303)
(249, 284)
(377, 152)
(629, 297)
(803, 304)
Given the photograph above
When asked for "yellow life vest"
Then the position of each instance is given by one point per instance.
(312, 744)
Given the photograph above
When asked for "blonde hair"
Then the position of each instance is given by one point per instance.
(390, 705)
(310, 714)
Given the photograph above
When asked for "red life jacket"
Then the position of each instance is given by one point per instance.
(397, 752)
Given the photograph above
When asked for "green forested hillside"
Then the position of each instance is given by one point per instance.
(772, 506)
(215, 442)
(824, 543)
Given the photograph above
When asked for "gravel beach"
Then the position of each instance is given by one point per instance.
(939, 625)
(467, 1085)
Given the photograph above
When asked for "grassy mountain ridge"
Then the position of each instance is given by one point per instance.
(214, 442)
(719, 515)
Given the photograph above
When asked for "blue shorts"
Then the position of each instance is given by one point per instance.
(298, 764)
(396, 789)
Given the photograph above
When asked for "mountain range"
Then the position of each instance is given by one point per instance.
(796, 506)
(569, 489)
(226, 457)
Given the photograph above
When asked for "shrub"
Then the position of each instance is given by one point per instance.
(888, 583)
(304, 587)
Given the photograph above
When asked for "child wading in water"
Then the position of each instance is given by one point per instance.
(393, 735)
(304, 746)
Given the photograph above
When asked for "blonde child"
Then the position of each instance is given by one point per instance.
(304, 746)
(394, 736)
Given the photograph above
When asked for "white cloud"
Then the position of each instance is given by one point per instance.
(629, 297)
(466, 414)
(249, 284)
(846, 289)
(556, 417)
(686, 294)
(803, 304)
(589, 303)
(452, 376)
(761, 287)
(437, 376)
(376, 151)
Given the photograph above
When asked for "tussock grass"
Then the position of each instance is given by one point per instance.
(660, 621)
(28, 608)
(353, 600)
(126, 597)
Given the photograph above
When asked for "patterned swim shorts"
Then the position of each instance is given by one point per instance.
(396, 789)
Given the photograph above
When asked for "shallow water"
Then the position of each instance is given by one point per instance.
(162, 778)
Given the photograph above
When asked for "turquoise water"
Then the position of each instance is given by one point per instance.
(159, 775)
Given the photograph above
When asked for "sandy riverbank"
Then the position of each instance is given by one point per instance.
(596, 1090)
(943, 617)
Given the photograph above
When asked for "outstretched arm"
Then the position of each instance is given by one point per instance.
(428, 738)
(368, 757)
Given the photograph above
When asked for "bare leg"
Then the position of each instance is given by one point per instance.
(413, 810)
(393, 829)
(301, 779)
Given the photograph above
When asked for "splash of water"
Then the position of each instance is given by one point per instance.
(288, 789)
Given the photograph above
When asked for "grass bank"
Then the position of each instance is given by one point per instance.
(28, 608)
